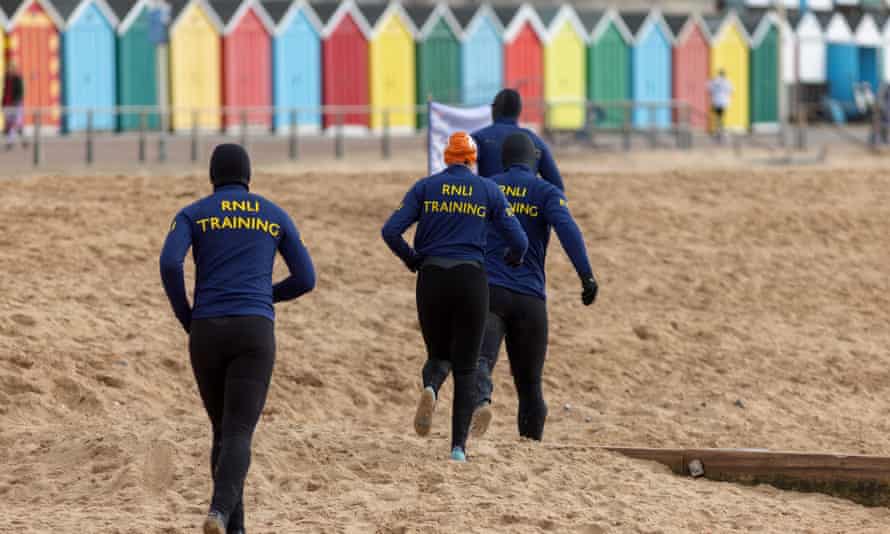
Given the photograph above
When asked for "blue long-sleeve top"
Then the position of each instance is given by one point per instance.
(453, 210)
(234, 235)
(538, 206)
(490, 139)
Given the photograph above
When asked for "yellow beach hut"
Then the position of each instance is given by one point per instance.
(565, 62)
(195, 78)
(392, 66)
(730, 50)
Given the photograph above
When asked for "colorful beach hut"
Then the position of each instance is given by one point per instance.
(810, 36)
(565, 77)
(195, 59)
(34, 45)
(524, 58)
(869, 44)
(608, 63)
(136, 62)
(764, 70)
(246, 62)
(296, 63)
(392, 79)
(692, 66)
(651, 68)
(482, 54)
(88, 63)
(730, 47)
(344, 61)
(438, 56)
(842, 57)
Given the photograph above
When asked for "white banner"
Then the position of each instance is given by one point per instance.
(444, 121)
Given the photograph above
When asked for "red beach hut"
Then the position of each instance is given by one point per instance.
(345, 58)
(691, 65)
(524, 59)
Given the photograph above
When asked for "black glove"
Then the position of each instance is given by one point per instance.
(589, 289)
(512, 259)
(414, 263)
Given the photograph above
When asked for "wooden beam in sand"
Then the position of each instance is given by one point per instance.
(862, 479)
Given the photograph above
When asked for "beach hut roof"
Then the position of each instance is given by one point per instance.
(597, 22)
(331, 18)
(692, 21)
(282, 13)
(15, 8)
(634, 20)
(565, 13)
(761, 30)
(426, 19)
(809, 26)
(378, 14)
(867, 32)
(718, 24)
(177, 7)
(514, 19)
(231, 12)
(470, 17)
(639, 22)
(676, 22)
(838, 30)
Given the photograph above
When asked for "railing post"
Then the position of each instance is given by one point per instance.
(338, 141)
(37, 119)
(243, 128)
(628, 113)
(194, 144)
(385, 141)
(89, 140)
(143, 120)
(293, 145)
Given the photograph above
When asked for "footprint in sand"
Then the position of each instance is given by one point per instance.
(159, 469)
(23, 319)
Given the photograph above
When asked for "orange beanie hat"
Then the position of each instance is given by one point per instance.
(461, 149)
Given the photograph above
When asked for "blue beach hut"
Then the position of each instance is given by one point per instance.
(651, 67)
(88, 62)
(842, 61)
(482, 54)
(869, 43)
(296, 63)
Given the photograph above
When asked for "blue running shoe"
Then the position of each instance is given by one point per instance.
(458, 455)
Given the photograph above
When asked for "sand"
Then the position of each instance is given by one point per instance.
(746, 283)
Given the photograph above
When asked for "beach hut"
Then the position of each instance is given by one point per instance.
(692, 66)
(438, 56)
(608, 63)
(246, 62)
(136, 62)
(392, 67)
(524, 58)
(195, 60)
(34, 45)
(482, 54)
(816, 5)
(764, 70)
(730, 52)
(651, 68)
(869, 43)
(296, 63)
(344, 61)
(810, 36)
(88, 63)
(842, 58)
(565, 77)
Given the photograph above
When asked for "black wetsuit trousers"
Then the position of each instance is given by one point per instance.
(232, 358)
(451, 305)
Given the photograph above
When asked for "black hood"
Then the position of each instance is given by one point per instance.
(507, 104)
(518, 149)
(229, 164)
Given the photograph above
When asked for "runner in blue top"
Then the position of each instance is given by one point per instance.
(505, 112)
(453, 210)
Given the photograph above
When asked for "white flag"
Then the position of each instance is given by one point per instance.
(444, 121)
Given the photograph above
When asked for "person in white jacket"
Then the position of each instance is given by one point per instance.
(720, 89)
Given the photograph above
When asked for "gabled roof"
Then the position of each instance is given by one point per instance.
(719, 24)
(470, 18)
(426, 20)
(634, 20)
(638, 23)
(505, 14)
(127, 11)
(282, 12)
(809, 25)
(178, 7)
(867, 32)
(15, 8)
(526, 14)
(838, 30)
(566, 14)
(767, 21)
(690, 22)
(332, 19)
(597, 25)
(377, 14)
(232, 17)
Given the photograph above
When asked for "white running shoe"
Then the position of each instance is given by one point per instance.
(214, 524)
(423, 419)
(481, 420)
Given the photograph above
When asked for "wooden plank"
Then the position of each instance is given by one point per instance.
(860, 478)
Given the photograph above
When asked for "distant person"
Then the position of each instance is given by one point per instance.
(517, 306)
(453, 210)
(13, 105)
(505, 111)
(721, 91)
(234, 236)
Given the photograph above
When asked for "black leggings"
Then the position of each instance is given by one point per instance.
(452, 304)
(522, 321)
(232, 358)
